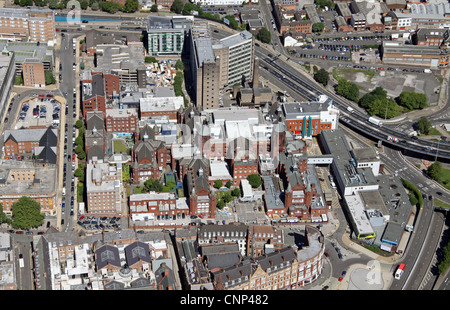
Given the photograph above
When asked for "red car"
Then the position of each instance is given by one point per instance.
(19, 232)
(326, 254)
(380, 68)
(340, 279)
(73, 157)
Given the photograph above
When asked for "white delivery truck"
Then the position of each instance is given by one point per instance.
(375, 121)
(399, 272)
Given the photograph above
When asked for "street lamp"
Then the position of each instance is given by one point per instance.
(387, 105)
(437, 149)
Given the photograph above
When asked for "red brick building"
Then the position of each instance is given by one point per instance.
(94, 95)
(201, 201)
(121, 120)
(153, 204)
(149, 157)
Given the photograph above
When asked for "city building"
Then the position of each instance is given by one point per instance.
(297, 267)
(95, 135)
(308, 119)
(430, 37)
(39, 143)
(32, 53)
(121, 120)
(114, 260)
(7, 78)
(23, 178)
(153, 205)
(166, 35)
(93, 95)
(33, 73)
(126, 61)
(218, 63)
(398, 53)
(149, 156)
(103, 188)
(36, 24)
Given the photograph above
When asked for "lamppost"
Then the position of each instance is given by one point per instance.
(437, 149)
(387, 105)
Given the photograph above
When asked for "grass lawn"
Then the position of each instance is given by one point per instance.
(445, 179)
(338, 71)
(442, 204)
(119, 147)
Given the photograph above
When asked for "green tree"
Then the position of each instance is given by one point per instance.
(347, 89)
(220, 204)
(376, 101)
(434, 171)
(3, 217)
(79, 141)
(26, 213)
(79, 124)
(110, 7)
(218, 184)
(84, 4)
(229, 184)
(412, 101)
(26, 2)
(318, 27)
(53, 4)
(236, 192)
(254, 180)
(81, 155)
(154, 8)
(150, 59)
(95, 6)
(424, 125)
(139, 189)
(188, 7)
(233, 22)
(131, 6)
(322, 76)
(40, 2)
(264, 35)
(179, 65)
(79, 173)
(445, 261)
(153, 185)
(227, 197)
(177, 6)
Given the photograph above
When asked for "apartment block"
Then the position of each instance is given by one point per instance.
(121, 120)
(165, 36)
(36, 24)
(33, 73)
(103, 188)
(218, 63)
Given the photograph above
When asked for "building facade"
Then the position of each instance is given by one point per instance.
(36, 24)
